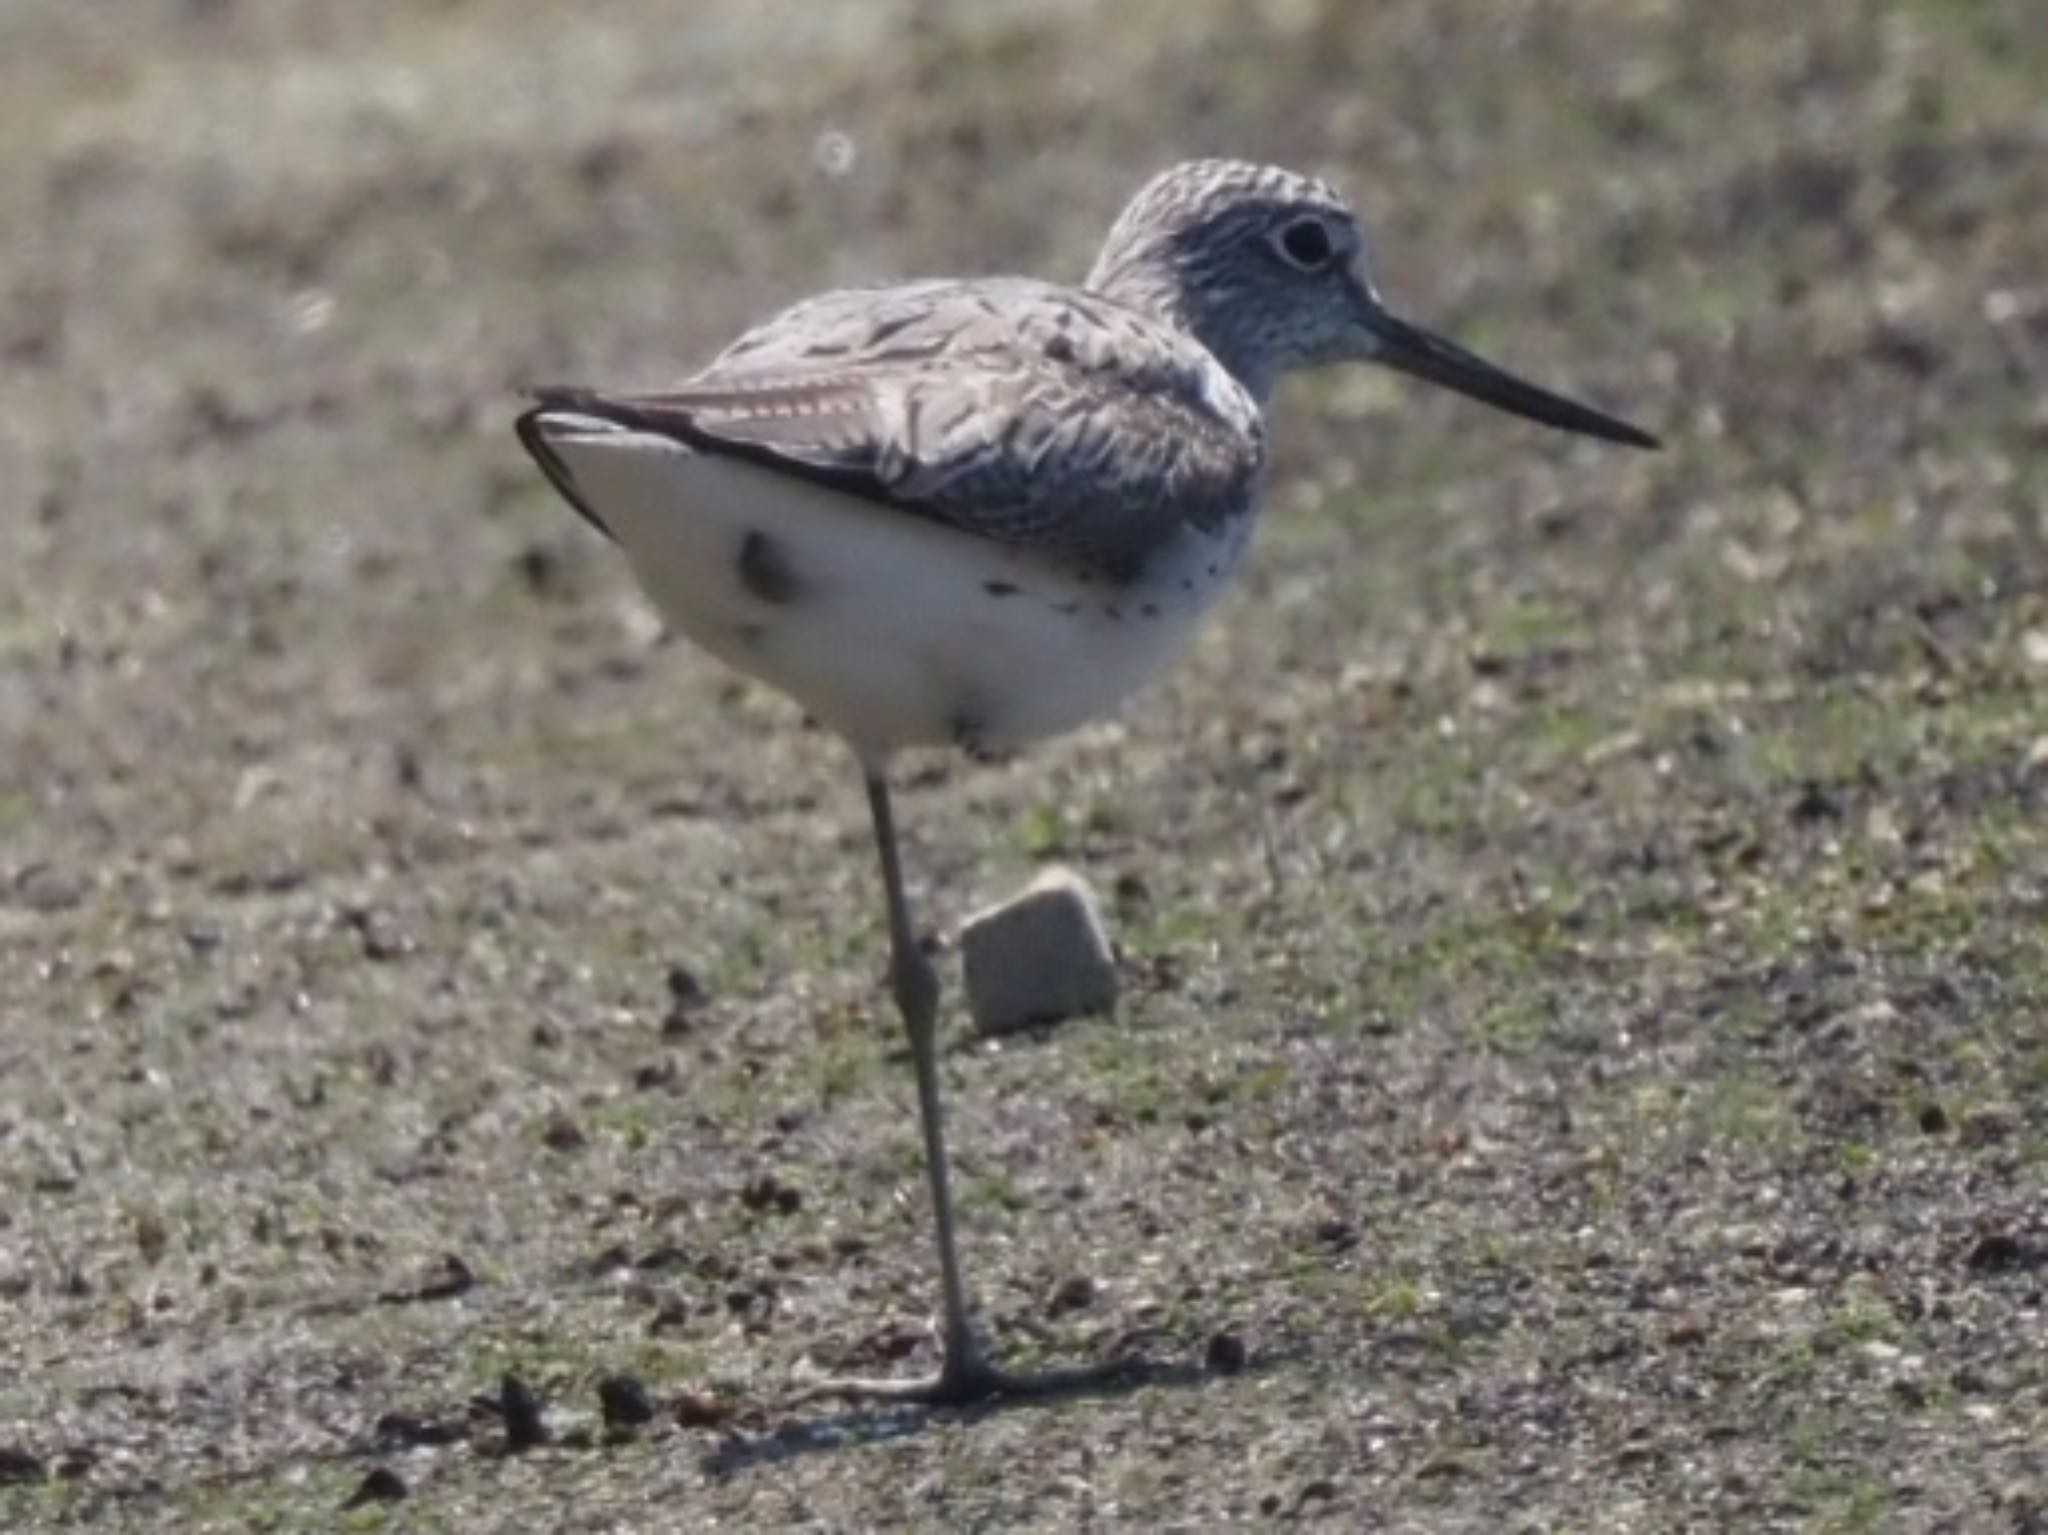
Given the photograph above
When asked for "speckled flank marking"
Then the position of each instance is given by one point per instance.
(765, 571)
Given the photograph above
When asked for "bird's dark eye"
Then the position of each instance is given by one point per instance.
(1307, 243)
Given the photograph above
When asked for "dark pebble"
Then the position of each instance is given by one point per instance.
(685, 992)
(380, 938)
(1687, 1332)
(1336, 1233)
(563, 1133)
(1074, 1293)
(768, 1192)
(1816, 802)
(661, 1073)
(152, 1237)
(448, 1279)
(525, 1426)
(686, 997)
(406, 1431)
(2000, 1252)
(668, 1316)
(694, 1409)
(1321, 1490)
(625, 1401)
(381, 1485)
(1226, 1354)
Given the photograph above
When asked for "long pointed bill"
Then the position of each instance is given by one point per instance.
(1414, 350)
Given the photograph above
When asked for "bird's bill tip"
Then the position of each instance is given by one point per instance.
(1425, 355)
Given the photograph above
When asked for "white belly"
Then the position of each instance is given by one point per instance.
(892, 630)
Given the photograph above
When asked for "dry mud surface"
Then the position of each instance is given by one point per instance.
(1586, 993)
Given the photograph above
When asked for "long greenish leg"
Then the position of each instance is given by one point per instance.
(965, 1375)
(916, 987)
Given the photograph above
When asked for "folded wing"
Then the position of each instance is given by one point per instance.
(1033, 416)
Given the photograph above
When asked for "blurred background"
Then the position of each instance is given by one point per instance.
(1598, 893)
(274, 272)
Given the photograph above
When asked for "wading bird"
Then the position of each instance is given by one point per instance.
(981, 512)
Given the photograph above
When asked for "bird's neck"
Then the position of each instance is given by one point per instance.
(1154, 288)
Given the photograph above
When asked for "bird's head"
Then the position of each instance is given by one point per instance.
(1269, 270)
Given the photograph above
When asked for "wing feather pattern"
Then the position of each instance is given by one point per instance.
(1032, 415)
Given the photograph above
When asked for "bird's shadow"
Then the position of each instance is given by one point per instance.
(860, 1426)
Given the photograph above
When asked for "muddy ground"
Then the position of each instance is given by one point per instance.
(1586, 1019)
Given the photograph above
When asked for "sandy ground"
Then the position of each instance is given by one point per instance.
(1582, 913)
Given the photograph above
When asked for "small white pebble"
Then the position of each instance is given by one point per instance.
(1038, 958)
(834, 152)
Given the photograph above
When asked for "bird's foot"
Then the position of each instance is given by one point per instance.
(966, 1381)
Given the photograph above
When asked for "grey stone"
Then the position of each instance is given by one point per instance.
(1040, 957)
